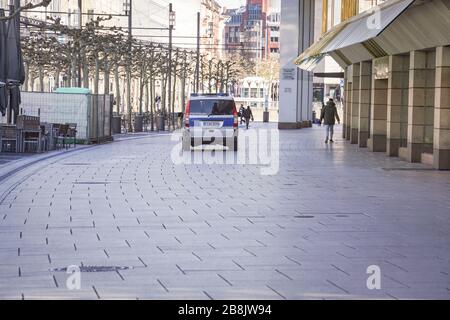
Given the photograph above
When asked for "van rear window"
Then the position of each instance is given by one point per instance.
(212, 107)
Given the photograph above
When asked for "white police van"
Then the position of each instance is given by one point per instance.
(210, 119)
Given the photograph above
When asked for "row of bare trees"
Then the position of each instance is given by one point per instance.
(95, 55)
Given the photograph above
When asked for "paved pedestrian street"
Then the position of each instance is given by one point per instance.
(138, 226)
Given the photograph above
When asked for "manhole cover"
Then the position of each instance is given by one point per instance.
(91, 183)
(95, 269)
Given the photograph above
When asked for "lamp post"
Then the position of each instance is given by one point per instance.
(197, 65)
(171, 26)
(128, 7)
(80, 24)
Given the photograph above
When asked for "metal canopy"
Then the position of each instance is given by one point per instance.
(346, 41)
(368, 26)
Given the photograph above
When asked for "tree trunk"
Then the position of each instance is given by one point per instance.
(27, 77)
(32, 79)
(174, 89)
(152, 103)
(183, 92)
(129, 104)
(117, 80)
(141, 93)
(41, 79)
(96, 75)
(106, 76)
(73, 73)
(147, 97)
(210, 77)
(57, 73)
(163, 94)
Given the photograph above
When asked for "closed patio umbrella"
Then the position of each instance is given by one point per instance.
(14, 68)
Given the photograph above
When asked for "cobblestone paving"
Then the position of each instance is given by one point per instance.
(225, 231)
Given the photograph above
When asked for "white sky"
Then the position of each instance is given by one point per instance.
(232, 3)
(186, 16)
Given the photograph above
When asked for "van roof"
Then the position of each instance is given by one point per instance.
(211, 96)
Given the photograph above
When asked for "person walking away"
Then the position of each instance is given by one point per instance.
(329, 115)
(241, 113)
(248, 115)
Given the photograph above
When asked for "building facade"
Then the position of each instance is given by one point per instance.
(303, 91)
(211, 28)
(396, 59)
(253, 29)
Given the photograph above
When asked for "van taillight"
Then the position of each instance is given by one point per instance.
(235, 115)
(186, 114)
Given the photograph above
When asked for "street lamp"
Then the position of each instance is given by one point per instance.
(126, 7)
(171, 26)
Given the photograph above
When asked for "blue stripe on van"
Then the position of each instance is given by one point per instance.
(227, 121)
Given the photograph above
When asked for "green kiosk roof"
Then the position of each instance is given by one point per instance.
(73, 90)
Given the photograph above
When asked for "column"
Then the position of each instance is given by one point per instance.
(421, 92)
(365, 82)
(348, 102)
(296, 85)
(397, 105)
(345, 106)
(355, 104)
(441, 152)
(378, 116)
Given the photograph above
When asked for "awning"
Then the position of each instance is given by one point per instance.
(353, 33)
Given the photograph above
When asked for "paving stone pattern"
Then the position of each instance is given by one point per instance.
(225, 231)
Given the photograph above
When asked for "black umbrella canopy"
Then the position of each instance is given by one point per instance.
(15, 71)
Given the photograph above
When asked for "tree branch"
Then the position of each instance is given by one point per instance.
(28, 6)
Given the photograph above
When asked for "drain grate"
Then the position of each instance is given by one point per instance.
(95, 269)
(409, 169)
(304, 217)
(91, 182)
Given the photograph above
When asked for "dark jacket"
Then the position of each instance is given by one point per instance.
(248, 113)
(329, 114)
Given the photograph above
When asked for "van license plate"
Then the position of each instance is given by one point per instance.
(211, 124)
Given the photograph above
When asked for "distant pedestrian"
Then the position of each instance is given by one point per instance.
(329, 115)
(241, 113)
(158, 102)
(248, 115)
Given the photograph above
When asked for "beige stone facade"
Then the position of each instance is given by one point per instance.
(409, 110)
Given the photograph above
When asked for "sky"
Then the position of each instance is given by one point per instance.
(231, 3)
(186, 16)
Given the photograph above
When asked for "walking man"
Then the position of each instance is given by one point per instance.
(329, 115)
(241, 113)
(247, 115)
